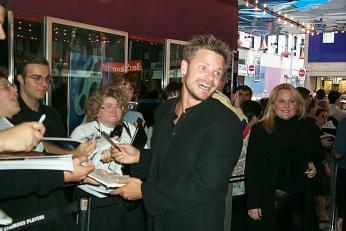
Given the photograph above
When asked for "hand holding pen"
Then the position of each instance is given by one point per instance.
(32, 131)
(86, 149)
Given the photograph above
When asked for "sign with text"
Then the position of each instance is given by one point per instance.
(242, 69)
(132, 65)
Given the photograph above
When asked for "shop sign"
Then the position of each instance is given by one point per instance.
(242, 69)
(132, 65)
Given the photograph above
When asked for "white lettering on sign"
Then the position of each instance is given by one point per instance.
(23, 223)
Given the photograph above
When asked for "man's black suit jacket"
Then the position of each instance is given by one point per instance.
(191, 162)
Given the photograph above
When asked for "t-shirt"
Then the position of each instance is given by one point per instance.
(53, 122)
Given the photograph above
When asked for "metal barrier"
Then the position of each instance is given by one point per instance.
(333, 208)
(81, 207)
(83, 216)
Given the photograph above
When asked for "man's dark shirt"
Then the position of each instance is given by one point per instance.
(53, 122)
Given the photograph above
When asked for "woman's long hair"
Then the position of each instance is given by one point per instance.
(268, 119)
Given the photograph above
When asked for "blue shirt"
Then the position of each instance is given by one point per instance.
(339, 144)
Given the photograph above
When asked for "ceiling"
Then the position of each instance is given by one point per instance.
(323, 15)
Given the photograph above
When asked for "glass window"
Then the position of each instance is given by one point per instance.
(82, 57)
(174, 50)
(28, 35)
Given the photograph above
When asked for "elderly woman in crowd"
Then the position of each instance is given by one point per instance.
(105, 109)
(278, 165)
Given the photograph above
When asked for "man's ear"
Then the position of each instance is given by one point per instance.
(184, 66)
(20, 79)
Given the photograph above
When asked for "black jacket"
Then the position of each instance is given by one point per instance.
(191, 162)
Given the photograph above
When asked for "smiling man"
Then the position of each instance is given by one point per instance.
(195, 146)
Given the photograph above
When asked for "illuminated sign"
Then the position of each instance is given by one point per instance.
(133, 65)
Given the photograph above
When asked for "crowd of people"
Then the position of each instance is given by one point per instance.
(209, 161)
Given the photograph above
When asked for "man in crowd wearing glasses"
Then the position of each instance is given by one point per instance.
(33, 76)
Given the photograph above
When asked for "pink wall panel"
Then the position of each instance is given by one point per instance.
(272, 78)
(149, 18)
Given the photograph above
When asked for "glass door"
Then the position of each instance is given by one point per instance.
(173, 58)
(82, 58)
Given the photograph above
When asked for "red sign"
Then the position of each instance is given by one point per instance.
(251, 69)
(301, 73)
(132, 65)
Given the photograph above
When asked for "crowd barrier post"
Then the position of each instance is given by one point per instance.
(83, 217)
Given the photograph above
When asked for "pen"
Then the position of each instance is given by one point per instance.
(91, 157)
(42, 118)
(104, 135)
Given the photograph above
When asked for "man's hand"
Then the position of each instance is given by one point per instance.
(22, 137)
(255, 214)
(125, 154)
(81, 168)
(132, 189)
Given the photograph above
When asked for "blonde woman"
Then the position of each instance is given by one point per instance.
(278, 165)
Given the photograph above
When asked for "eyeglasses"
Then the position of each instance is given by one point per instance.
(205, 69)
(110, 107)
(7, 85)
(39, 79)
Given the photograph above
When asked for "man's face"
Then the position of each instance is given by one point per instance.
(202, 74)
(2, 19)
(8, 99)
(242, 96)
(34, 84)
